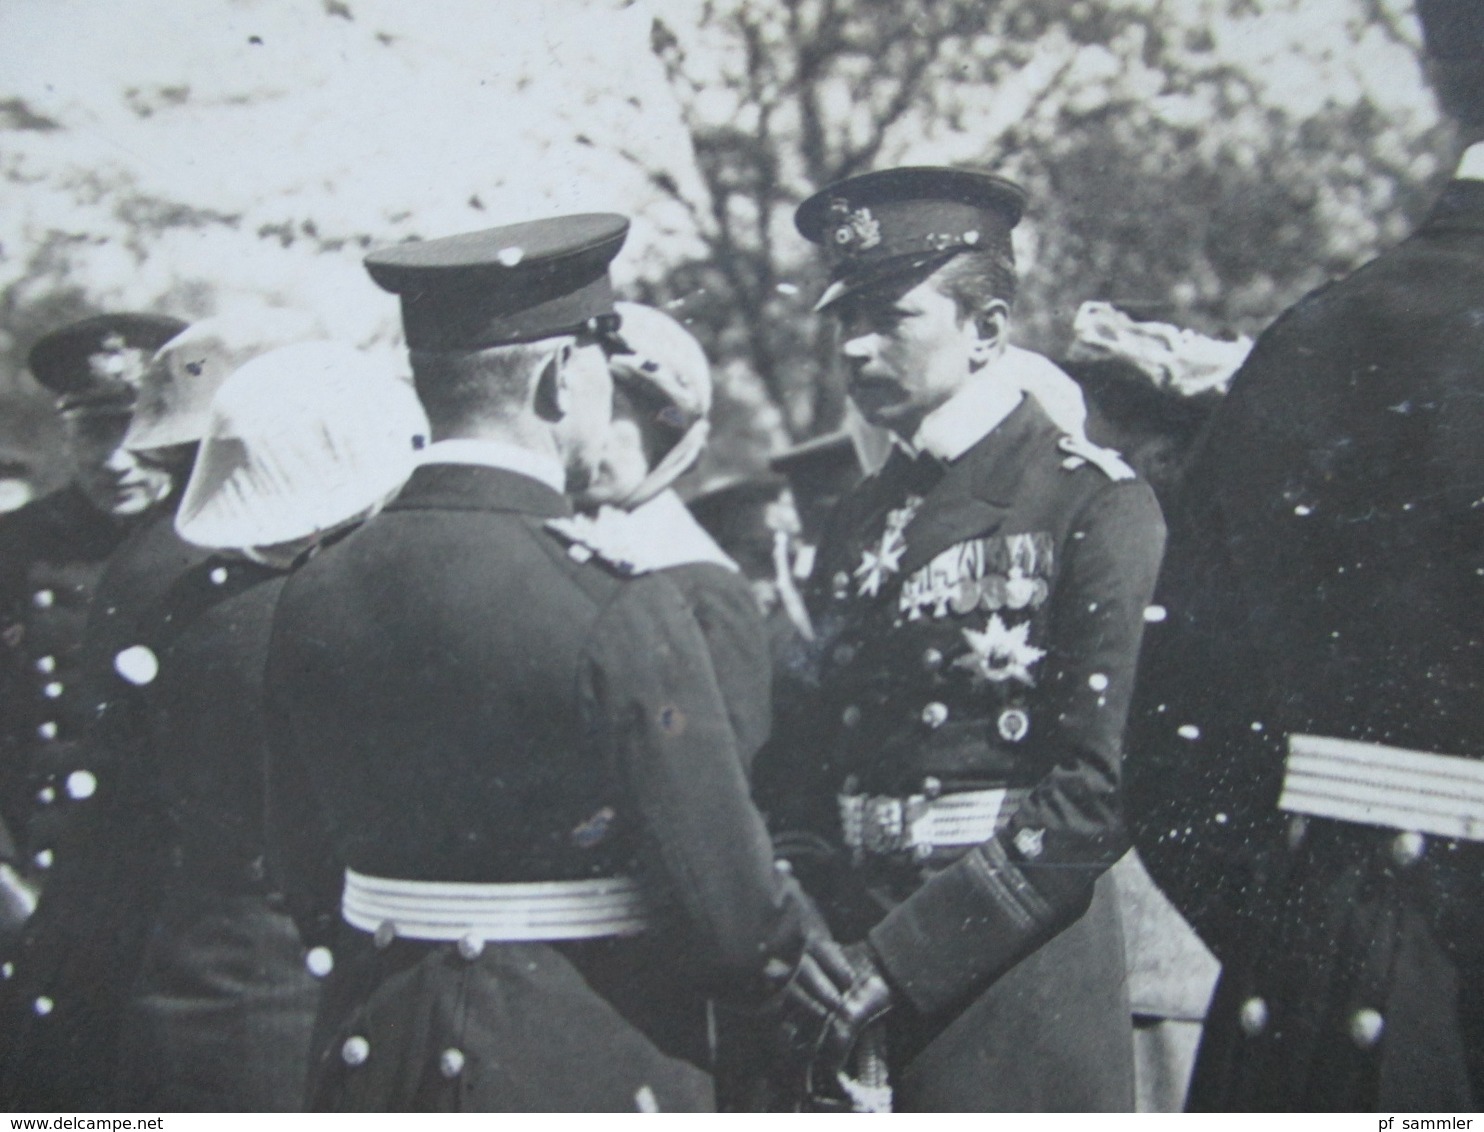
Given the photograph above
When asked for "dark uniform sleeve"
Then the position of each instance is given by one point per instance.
(737, 642)
(988, 910)
(652, 703)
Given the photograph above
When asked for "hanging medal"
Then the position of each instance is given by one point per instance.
(880, 562)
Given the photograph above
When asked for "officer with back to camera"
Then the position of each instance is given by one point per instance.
(519, 756)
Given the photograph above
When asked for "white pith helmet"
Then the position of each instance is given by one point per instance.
(174, 400)
(301, 440)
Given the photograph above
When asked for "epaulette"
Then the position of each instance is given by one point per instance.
(587, 539)
(1081, 451)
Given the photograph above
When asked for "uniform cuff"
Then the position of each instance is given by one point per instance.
(964, 928)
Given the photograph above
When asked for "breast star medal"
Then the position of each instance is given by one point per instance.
(1001, 653)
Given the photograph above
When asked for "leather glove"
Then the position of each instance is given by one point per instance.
(863, 999)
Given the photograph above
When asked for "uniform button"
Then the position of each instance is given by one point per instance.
(840, 583)
(844, 654)
(137, 664)
(386, 932)
(43, 1005)
(46, 795)
(47, 730)
(932, 659)
(451, 1063)
(1253, 1017)
(931, 787)
(43, 599)
(355, 1051)
(1013, 725)
(319, 961)
(219, 576)
(44, 859)
(851, 716)
(783, 867)
(935, 714)
(53, 690)
(1030, 842)
(471, 946)
(1365, 1027)
(1407, 848)
(81, 784)
(46, 665)
(7, 970)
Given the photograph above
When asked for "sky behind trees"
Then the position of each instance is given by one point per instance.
(1204, 161)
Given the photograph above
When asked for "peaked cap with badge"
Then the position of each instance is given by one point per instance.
(100, 361)
(893, 221)
(499, 286)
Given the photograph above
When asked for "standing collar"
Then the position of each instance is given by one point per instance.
(497, 454)
(966, 418)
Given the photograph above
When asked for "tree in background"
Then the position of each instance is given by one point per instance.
(1205, 161)
(1202, 161)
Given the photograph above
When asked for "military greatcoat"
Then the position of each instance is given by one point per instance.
(978, 626)
(64, 989)
(466, 701)
(1326, 578)
(52, 553)
(222, 1006)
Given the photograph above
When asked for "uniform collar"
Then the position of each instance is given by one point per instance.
(656, 535)
(488, 453)
(966, 418)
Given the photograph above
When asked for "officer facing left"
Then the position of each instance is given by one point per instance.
(52, 553)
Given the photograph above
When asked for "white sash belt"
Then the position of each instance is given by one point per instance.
(1370, 784)
(877, 824)
(449, 911)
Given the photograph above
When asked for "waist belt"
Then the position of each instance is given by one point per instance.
(450, 911)
(1367, 783)
(919, 824)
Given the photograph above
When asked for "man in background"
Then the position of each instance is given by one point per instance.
(1307, 780)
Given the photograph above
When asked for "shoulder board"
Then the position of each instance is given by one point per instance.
(587, 540)
(1106, 460)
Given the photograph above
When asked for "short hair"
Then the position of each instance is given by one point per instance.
(458, 387)
(975, 279)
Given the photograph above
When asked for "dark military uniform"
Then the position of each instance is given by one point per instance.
(520, 757)
(1325, 579)
(525, 719)
(52, 553)
(992, 649)
(72, 972)
(221, 1011)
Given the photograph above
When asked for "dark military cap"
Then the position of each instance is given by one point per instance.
(819, 471)
(1452, 29)
(503, 285)
(894, 221)
(100, 361)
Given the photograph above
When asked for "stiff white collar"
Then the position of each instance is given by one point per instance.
(497, 454)
(655, 535)
(967, 417)
(1471, 164)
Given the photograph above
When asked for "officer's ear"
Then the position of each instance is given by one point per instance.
(992, 332)
(553, 399)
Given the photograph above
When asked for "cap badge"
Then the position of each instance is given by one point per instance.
(117, 361)
(854, 229)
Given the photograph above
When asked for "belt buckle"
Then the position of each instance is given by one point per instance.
(882, 825)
